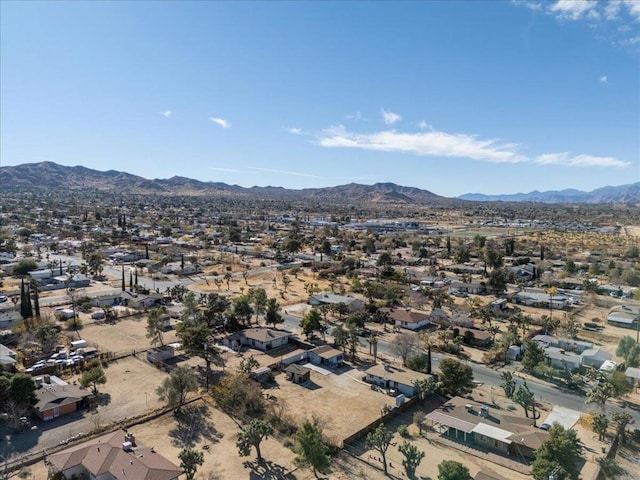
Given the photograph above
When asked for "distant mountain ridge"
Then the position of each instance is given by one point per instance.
(52, 176)
(619, 194)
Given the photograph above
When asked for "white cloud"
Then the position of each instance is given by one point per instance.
(631, 41)
(568, 160)
(284, 172)
(390, 118)
(166, 113)
(220, 121)
(435, 143)
(223, 169)
(603, 79)
(354, 116)
(424, 125)
(575, 9)
(633, 7)
(294, 131)
(432, 143)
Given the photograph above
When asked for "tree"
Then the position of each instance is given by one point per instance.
(600, 394)
(452, 470)
(384, 259)
(252, 436)
(239, 396)
(242, 310)
(427, 387)
(155, 326)
(311, 323)
(412, 458)
(310, 447)
(526, 399)
(629, 350)
(258, 297)
(380, 440)
(509, 384)
(560, 453)
(340, 337)
(22, 389)
(599, 424)
(272, 316)
(197, 340)
(191, 313)
(95, 263)
(456, 377)
(24, 266)
(247, 365)
(621, 419)
(47, 337)
(174, 389)
(93, 378)
(190, 460)
(403, 344)
(533, 356)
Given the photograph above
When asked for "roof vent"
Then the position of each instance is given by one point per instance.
(127, 446)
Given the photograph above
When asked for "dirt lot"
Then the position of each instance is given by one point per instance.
(124, 334)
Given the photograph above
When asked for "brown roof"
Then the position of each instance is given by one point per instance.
(263, 335)
(406, 316)
(395, 374)
(105, 454)
(488, 475)
(477, 334)
(326, 352)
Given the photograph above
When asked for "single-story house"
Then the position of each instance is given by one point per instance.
(297, 373)
(161, 354)
(577, 346)
(140, 301)
(633, 375)
(461, 268)
(623, 319)
(409, 319)
(7, 358)
(541, 299)
(393, 378)
(258, 338)
(475, 288)
(594, 357)
(498, 305)
(325, 355)
(560, 358)
(75, 281)
(353, 304)
(114, 456)
(479, 424)
(514, 352)
(56, 399)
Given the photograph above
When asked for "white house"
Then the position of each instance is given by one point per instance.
(393, 378)
(258, 338)
(353, 304)
(326, 355)
(407, 318)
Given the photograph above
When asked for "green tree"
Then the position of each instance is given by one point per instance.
(258, 297)
(599, 424)
(311, 323)
(452, 470)
(93, 378)
(562, 451)
(456, 378)
(621, 420)
(198, 340)
(629, 350)
(247, 365)
(380, 440)
(600, 394)
(252, 435)
(22, 389)
(176, 386)
(310, 447)
(412, 458)
(533, 356)
(242, 310)
(190, 460)
(155, 326)
(340, 337)
(95, 263)
(508, 384)
(47, 336)
(272, 316)
(526, 399)
(24, 266)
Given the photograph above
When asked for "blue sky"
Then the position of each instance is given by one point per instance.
(452, 97)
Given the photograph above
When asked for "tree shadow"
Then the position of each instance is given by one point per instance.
(102, 399)
(193, 425)
(267, 470)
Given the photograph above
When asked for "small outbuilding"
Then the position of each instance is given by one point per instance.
(297, 373)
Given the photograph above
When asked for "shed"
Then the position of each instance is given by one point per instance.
(262, 374)
(298, 373)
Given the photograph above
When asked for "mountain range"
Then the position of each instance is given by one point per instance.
(52, 176)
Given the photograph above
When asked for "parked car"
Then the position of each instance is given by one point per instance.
(3, 298)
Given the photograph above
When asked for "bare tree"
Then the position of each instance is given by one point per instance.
(403, 344)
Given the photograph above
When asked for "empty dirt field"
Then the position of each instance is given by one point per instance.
(342, 402)
(125, 334)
